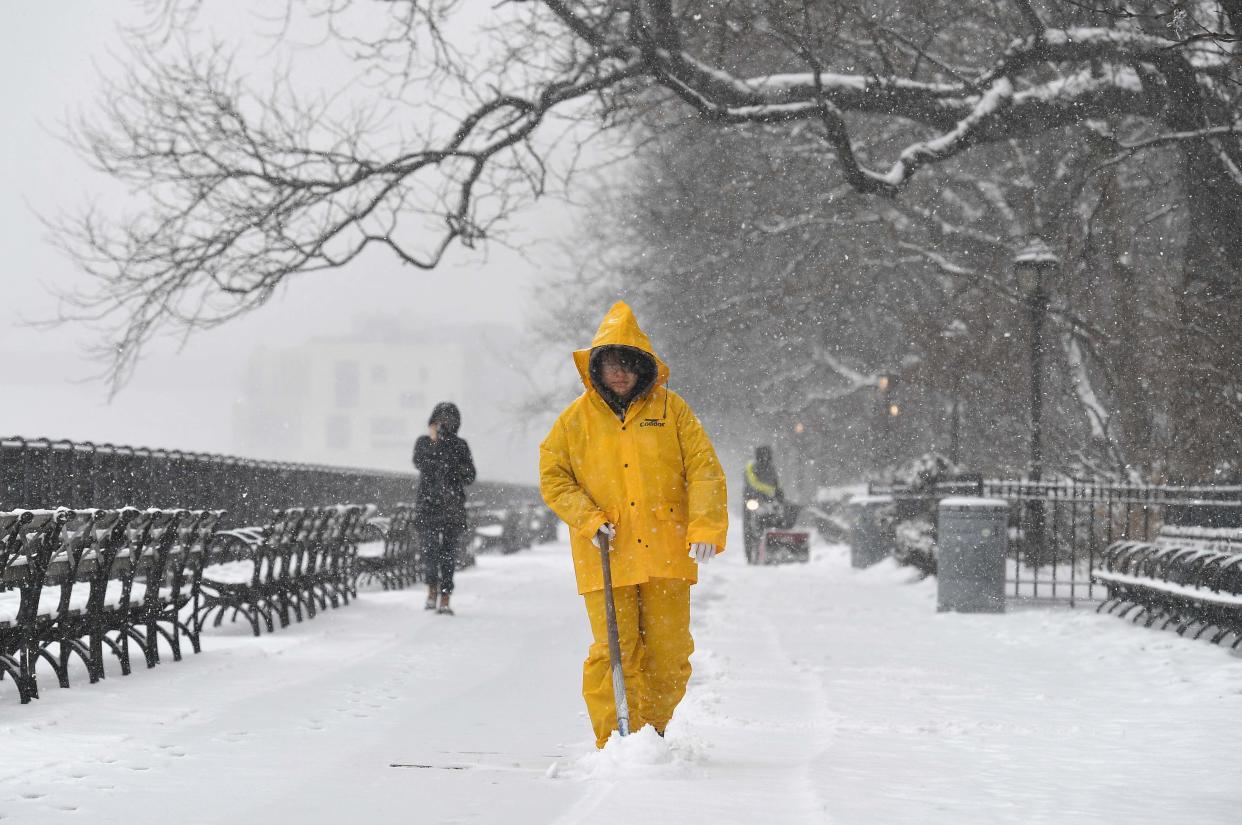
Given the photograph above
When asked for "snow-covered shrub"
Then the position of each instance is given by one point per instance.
(915, 544)
(915, 512)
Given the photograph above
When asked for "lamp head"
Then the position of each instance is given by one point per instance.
(1033, 264)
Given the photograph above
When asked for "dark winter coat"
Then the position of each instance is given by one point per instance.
(445, 467)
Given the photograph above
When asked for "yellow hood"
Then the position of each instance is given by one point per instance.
(620, 329)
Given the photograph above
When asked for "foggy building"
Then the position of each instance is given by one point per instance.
(356, 401)
(361, 398)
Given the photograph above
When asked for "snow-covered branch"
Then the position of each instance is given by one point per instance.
(1096, 412)
(239, 190)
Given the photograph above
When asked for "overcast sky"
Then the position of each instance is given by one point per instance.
(50, 59)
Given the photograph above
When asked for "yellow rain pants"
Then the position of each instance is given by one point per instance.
(653, 624)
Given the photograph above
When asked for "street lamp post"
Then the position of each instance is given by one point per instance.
(1034, 267)
(803, 460)
(955, 334)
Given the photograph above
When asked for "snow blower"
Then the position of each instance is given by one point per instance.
(771, 537)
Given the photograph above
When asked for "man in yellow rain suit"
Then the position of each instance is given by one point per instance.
(628, 458)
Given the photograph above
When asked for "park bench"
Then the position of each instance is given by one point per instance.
(29, 539)
(1189, 578)
(301, 563)
(389, 552)
(487, 528)
(80, 583)
(78, 586)
(509, 529)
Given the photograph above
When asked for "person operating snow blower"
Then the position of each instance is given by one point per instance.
(631, 471)
(768, 531)
(763, 501)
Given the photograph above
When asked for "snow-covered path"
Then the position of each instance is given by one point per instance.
(820, 694)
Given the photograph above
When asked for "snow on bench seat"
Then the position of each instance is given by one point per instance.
(49, 599)
(1212, 538)
(229, 572)
(371, 550)
(1172, 588)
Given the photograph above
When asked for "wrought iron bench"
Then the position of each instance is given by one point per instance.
(1189, 578)
(302, 563)
(389, 552)
(79, 583)
(29, 539)
(507, 529)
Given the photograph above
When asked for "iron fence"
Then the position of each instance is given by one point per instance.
(42, 473)
(1059, 530)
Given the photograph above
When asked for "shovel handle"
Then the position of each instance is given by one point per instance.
(614, 641)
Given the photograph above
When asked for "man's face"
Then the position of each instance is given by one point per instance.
(617, 378)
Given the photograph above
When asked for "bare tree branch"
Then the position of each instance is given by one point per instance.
(239, 190)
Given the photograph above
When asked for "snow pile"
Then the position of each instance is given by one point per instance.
(643, 754)
(891, 571)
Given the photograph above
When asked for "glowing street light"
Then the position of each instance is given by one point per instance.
(884, 419)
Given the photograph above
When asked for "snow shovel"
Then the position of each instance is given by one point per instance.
(614, 641)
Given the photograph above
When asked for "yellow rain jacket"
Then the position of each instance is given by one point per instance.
(654, 474)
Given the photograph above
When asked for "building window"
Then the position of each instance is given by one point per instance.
(410, 401)
(379, 374)
(336, 435)
(387, 426)
(347, 383)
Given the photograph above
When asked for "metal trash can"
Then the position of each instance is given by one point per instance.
(972, 541)
(872, 538)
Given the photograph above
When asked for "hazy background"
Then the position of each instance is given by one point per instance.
(193, 396)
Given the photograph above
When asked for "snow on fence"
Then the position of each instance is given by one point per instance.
(42, 472)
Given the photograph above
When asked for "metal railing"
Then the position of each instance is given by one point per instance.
(41, 472)
(1059, 529)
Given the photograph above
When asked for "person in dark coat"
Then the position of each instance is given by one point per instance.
(445, 467)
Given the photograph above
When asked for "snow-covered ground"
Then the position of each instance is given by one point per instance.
(820, 695)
